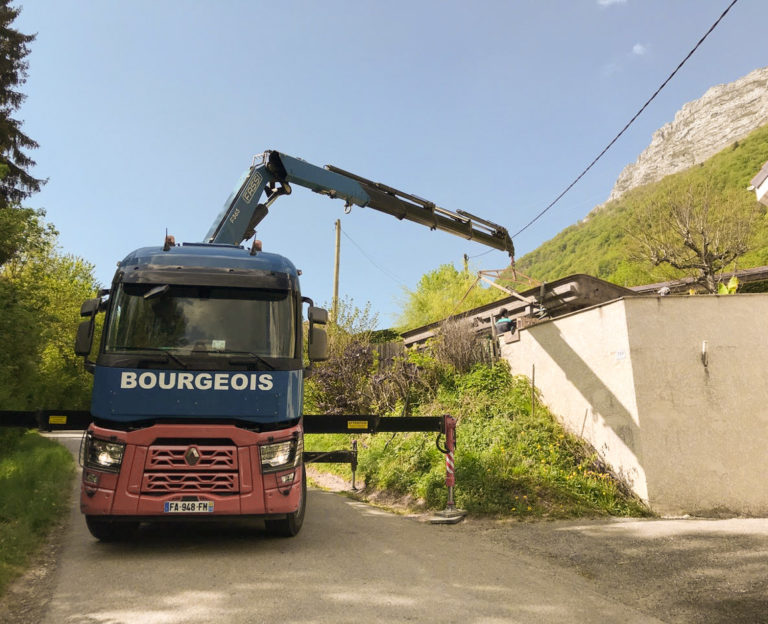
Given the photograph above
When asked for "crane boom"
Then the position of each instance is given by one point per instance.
(277, 171)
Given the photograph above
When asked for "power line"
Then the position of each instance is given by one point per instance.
(585, 202)
(372, 261)
(480, 255)
(629, 123)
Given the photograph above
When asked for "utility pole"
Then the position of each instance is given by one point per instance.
(335, 302)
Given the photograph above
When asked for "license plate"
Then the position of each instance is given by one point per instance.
(188, 507)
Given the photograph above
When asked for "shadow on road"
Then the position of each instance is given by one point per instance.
(677, 570)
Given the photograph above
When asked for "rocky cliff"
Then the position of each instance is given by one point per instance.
(700, 129)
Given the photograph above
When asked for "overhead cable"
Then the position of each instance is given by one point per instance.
(373, 262)
(629, 123)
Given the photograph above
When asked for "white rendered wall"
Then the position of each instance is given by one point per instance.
(629, 377)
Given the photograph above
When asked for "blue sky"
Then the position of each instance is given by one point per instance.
(147, 113)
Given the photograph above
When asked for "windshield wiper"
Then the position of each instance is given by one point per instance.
(157, 291)
(246, 357)
(168, 355)
(176, 359)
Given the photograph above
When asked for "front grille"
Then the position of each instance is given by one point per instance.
(171, 482)
(190, 469)
(173, 458)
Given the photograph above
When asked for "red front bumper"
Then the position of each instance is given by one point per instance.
(216, 463)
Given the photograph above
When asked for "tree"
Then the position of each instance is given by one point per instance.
(20, 230)
(442, 293)
(17, 183)
(695, 228)
(40, 289)
(66, 283)
(340, 384)
(40, 295)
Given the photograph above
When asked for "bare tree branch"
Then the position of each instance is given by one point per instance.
(696, 229)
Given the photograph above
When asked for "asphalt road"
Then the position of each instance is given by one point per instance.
(355, 563)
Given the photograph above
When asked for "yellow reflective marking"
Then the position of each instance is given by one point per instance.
(57, 420)
(357, 424)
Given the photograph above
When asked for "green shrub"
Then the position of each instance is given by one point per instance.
(35, 484)
(508, 461)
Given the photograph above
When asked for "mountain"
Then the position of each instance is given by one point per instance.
(723, 135)
(700, 129)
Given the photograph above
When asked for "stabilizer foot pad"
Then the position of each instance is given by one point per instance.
(449, 516)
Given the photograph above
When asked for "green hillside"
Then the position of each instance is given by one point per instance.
(600, 245)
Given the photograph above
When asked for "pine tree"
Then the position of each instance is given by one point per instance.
(16, 183)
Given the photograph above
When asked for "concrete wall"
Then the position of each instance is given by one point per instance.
(629, 377)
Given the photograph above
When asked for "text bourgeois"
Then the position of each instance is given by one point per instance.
(195, 381)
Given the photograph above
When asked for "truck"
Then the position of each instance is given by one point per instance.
(197, 403)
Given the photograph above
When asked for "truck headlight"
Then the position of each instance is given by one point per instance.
(281, 455)
(103, 455)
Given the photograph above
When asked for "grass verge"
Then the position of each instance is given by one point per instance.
(510, 460)
(35, 484)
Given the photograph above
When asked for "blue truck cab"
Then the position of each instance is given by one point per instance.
(197, 396)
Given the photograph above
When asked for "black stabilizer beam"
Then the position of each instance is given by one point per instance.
(325, 423)
(46, 420)
(52, 420)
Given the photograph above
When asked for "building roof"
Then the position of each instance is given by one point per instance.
(549, 300)
(563, 296)
(745, 276)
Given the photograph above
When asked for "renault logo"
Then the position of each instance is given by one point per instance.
(192, 456)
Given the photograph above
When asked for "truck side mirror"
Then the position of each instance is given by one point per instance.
(317, 346)
(90, 307)
(317, 315)
(317, 341)
(84, 338)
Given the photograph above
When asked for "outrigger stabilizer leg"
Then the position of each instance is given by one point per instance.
(450, 515)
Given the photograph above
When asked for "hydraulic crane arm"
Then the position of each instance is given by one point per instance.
(277, 171)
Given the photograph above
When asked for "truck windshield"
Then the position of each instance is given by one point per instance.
(202, 319)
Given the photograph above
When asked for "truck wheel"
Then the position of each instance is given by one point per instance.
(110, 531)
(290, 526)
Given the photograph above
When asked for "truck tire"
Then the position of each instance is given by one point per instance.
(107, 530)
(291, 525)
